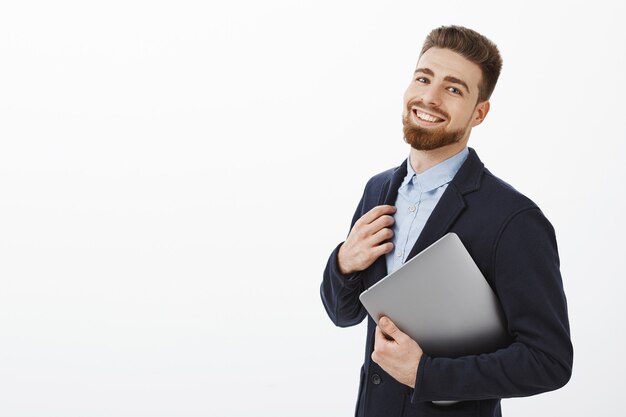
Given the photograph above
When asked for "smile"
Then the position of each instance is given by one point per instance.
(422, 116)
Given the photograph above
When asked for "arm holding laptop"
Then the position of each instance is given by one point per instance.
(528, 284)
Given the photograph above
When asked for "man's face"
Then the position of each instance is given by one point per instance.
(440, 104)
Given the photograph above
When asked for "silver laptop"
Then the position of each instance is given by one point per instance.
(441, 299)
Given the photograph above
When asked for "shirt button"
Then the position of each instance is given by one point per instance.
(399, 253)
(376, 379)
(411, 208)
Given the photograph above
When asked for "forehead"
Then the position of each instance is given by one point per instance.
(445, 62)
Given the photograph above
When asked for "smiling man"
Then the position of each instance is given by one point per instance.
(444, 187)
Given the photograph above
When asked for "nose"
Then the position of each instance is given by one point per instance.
(431, 97)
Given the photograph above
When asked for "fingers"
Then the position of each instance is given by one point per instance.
(365, 244)
(382, 222)
(380, 337)
(383, 249)
(398, 356)
(375, 213)
(381, 342)
(377, 232)
(379, 229)
(383, 233)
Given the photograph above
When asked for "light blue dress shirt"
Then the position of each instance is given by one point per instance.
(417, 197)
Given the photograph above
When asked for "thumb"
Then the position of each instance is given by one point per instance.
(388, 327)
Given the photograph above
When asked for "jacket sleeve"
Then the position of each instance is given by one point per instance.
(528, 283)
(340, 293)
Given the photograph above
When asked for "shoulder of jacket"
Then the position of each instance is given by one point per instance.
(380, 179)
(494, 185)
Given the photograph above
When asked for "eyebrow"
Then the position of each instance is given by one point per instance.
(448, 78)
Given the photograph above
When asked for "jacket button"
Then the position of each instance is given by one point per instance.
(376, 379)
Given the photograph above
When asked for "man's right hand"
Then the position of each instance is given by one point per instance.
(367, 240)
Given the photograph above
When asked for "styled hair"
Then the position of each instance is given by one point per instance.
(475, 48)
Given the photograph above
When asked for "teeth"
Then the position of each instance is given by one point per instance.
(427, 117)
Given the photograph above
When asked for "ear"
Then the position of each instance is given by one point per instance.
(480, 112)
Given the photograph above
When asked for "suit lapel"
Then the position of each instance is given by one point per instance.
(443, 216)
(388, 195)
(389, 191)
(448, 209)
(451, 204)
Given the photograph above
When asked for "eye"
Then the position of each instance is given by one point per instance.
(454, 90)
(422, 80)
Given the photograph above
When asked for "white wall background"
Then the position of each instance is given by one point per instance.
(173, 176)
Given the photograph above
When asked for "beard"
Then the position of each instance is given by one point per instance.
(424, 139)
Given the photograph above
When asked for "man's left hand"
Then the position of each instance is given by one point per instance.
(396, 352)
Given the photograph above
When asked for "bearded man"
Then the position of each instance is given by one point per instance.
(444, 187)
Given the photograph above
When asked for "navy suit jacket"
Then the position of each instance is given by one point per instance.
(515, 248)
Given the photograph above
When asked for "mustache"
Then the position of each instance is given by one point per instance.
(421, 105)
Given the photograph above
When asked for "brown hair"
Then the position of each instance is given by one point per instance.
(474, 47)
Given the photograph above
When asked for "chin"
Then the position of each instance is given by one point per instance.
(423, 139)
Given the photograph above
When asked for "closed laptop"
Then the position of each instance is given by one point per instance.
(441, 299)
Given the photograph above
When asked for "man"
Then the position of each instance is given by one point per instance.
(444, 187)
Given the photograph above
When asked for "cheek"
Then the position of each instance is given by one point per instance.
(410, 93)
(405, 102)
(461, 114)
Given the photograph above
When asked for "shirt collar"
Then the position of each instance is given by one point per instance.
(436, 176)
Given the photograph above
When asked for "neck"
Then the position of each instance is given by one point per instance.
(423, 160)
